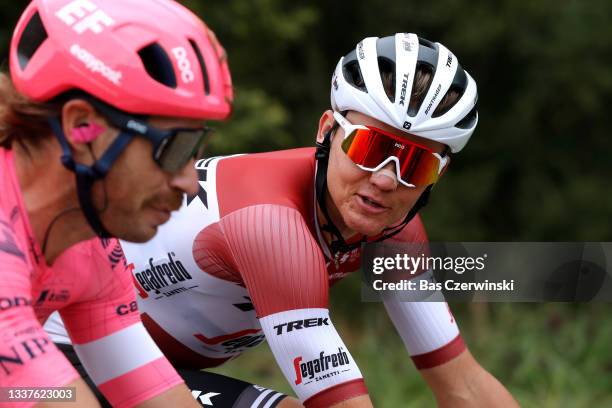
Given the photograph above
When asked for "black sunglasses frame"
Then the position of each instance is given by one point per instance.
(159, 138)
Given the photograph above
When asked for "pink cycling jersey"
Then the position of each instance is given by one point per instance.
(244, 260)
(91, 287)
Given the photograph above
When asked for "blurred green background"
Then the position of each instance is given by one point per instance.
(537, 168)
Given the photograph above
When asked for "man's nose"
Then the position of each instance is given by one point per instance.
(385, 178)
(186, 180)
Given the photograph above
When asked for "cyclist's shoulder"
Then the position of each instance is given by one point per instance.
(93, 252)
(271, 162)
(282, 178)
(274, 156)
(99, 264)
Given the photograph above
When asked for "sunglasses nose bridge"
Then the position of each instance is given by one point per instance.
(394, 161)
(386, 175)
(392, 164)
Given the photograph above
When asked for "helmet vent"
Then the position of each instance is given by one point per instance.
(424, 72)
(386, 68)
(428, 54)
(352, 75)
(426, 43)
(33, 36)
(385, 49)
(198, 53)
(158, 65)
(456, 90)
(468, 121)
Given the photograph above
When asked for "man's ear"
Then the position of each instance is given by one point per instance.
(326, 123)
(81, 123)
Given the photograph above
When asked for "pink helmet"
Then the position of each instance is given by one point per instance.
(151, 57)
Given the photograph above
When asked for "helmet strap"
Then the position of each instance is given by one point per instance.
(420, 203)
(338, 244)
(87, 175)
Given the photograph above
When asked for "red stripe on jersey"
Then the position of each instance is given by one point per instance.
(219, 339)
(141, 292)
(280, 261)
(336, 394)
(175, 351)
(439, 356)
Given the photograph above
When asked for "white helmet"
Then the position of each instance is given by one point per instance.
(357, 85)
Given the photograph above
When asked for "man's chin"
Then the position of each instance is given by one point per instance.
(140, 235)
(369, 229)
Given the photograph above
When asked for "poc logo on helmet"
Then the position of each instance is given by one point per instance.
(84, 15)
(183, 63)
(407, 125)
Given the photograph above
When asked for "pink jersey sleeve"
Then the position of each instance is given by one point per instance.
(118, 353)
(284, 271)
(27, 355)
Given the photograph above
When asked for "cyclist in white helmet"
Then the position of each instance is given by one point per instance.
(252, 256)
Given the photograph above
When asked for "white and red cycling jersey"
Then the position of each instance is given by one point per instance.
(243, 261)
(91, 287)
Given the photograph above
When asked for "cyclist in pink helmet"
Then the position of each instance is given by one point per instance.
(100, 94)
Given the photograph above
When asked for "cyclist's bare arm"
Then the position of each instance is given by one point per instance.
(177, 396)
(363, 401)
(462, 382)
(290, 402)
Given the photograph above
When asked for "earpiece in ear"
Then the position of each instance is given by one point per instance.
(86, 133)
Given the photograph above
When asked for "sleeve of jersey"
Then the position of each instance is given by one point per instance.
(428, 329)
(111, 342)
(285, 274)
(28, 358)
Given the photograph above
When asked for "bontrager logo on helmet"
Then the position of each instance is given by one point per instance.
(433, 99)
(78, 9)
(95, 65)
(360, 50)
